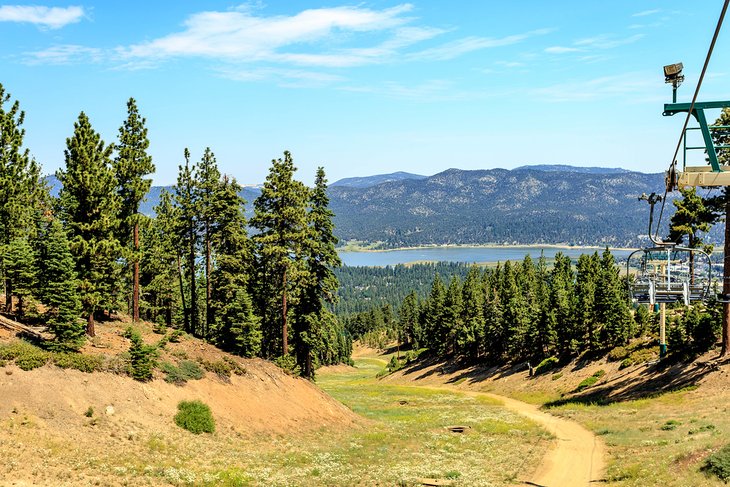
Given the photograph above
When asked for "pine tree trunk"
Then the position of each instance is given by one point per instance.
(90, 328)
(726, 285)
(193, 293)
(8, 295)
(135, 277)
(284, 330)
(208, 286)
(186, 311)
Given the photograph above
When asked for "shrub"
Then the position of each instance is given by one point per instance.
(718, 464)
(89, 412)
(84, 363)
(557, 376)
(194, 416)
(547, 364)
(141, 357)
(25, 355)
(221, 368)
(288, 364)
(671, 425)
(186, 370)
(176, 336)
(590, 381)
(618, 353)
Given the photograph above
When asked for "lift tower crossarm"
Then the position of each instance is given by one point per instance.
(698, 112)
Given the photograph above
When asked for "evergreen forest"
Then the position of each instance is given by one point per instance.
(524, 311)
(71, 261)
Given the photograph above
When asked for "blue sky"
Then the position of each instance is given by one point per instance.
(365, 87)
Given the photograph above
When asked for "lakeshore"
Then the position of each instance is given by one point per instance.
(470, 254)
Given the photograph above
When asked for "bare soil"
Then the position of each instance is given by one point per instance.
(102, 412)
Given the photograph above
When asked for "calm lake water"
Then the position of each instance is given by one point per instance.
(462, 254)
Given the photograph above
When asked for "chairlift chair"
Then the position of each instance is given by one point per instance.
(664, 275)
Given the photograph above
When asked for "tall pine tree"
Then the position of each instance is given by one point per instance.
(131, 166)
(280, 217)
(89, 207)
(20, 187)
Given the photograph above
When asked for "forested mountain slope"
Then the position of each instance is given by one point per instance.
(528, 205)
(499, 206)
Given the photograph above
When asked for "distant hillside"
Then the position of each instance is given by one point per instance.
(579, 169)
(499, 206)
(531, 204)
(369, 181)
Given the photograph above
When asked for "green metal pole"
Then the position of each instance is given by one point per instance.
(663, 330)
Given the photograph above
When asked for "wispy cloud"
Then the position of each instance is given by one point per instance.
(64, 54)
(644, 13)
(240, 35)
(463, 46)
(561, 49)
(607, 41)
(625, 86)
(47, 17)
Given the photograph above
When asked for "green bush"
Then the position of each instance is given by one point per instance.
(557, 376)
(590, 381)
(176, 336)
(84, 363)
(547, 364)
(186, 370)
(618, 353)
(221, 368)
(25, 355)
(142, 357)
(718, 464)
(671, 425)
(194, 416)
(288, 364)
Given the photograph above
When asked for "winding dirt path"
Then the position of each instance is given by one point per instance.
(576, 456)
(575, 460)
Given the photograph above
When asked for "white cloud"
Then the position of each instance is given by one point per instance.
(607, 41)
(463, 46)
(627, 86)
(239, 35)
(49, 17)
(64, 54)
(644, 13)
(561, 49)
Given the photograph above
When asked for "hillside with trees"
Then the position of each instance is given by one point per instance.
(91, 251)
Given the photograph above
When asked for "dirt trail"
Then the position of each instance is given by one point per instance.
(576, 458)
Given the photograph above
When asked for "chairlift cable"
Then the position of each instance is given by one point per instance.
(692, 105)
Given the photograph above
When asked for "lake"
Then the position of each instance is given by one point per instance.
(462, 254)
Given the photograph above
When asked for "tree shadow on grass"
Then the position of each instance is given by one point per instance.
(654, 380)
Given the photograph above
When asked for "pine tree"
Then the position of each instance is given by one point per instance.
(452, 321)
(433, 319)
(20, 269)
(280, 217)
(161, 272)
(244, 325)
(20, 187)
(131, 166)
(207, 184)
(186, 229)
(612, 310)
(235, 326)
(89, 207)
(58, 286)
(319, 284)
(720, 207)
(470, 337)
(586, 287)
(561, 307)
(409, 322)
